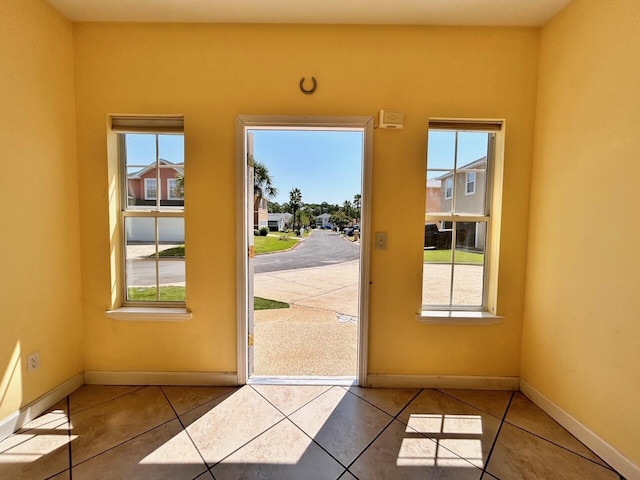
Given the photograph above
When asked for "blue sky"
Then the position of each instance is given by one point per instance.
(325, 165)
(441, 149)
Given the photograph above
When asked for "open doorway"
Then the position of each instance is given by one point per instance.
(303, 249)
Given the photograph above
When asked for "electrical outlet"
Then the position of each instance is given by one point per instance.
(33, 362)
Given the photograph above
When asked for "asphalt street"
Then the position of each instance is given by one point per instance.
(321, 248)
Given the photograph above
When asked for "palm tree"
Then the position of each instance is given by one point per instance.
(262, 183)
(295, 201)
(357, 201)
(346, 208)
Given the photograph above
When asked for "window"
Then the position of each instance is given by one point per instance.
(471, 183)
(151, 154)
(448, 189)
(458, 223)
(150, 191)
(174, 187)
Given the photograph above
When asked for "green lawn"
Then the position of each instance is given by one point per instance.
(444, 256)
(148, 294)
(266, 304)
(172, 252)
(273, 243)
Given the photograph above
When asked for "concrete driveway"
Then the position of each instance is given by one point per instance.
(317, 335)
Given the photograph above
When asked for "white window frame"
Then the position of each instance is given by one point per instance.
(470, 182)
(448, 189)
(156, 212)
(171, 189)
(147, 181)
(485, 313)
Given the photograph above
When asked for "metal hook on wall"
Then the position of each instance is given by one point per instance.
(312, 89)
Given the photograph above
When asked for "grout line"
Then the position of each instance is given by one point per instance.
(247, 443)
(140, 387)
(286, 417)
(474, 406)
(408, 403)
(329, 387)
(225, 394)
(436, 441)
(379, 408)
(393, 419)
(123, 442)
(606, 467)
(184, 429)
(495, 440)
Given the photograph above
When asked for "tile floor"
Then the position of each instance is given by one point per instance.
(295, 432)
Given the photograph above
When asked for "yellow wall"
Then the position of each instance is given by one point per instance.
(40, 309)
(581, 330)
(211, 73)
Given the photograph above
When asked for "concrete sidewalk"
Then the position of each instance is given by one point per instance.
(317, 335)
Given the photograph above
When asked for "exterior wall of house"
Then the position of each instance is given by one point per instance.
(581, 331)
(40, 283)
(197, 73)
(261, 214)
(473, 203)
(136, 185)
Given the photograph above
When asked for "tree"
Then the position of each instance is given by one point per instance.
(262, 183)
(339, 218)
(357, 202)
(295, 201)
(180, 185)
(347, 209)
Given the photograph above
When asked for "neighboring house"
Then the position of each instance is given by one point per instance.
(278, 222)
(323, 221)
(470, 185)
(434, 195)
(260, 213)
(142, 186)
(142, 189)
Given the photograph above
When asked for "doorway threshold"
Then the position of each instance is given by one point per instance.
(302, 380)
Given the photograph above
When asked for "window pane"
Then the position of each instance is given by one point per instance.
(469, 256)
(436, 284)
(471, 147)
(471, 200)
(441, 150)
(172, 280)
(439, 191)
(140, 264)
(172, 259)
(141, 149)
(437, 242)
(171, 154)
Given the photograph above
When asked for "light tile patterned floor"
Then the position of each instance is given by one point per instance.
(295, 432)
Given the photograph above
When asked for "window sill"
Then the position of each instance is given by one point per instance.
(149, 314)
(448, 317)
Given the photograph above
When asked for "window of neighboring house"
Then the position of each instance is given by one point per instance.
(153, 227)
(470, 183)
(174, 189)
(150, 190)
(455, 263)
(448, 188)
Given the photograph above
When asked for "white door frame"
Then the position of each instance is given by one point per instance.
(247, 122)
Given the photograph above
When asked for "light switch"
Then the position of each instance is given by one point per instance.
(381, 240)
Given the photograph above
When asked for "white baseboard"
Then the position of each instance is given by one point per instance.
(108, 377)
(380, 380)
(609, 454)
(18, 419)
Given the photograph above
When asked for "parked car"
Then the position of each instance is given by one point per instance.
(349, 231)
(436, 238)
